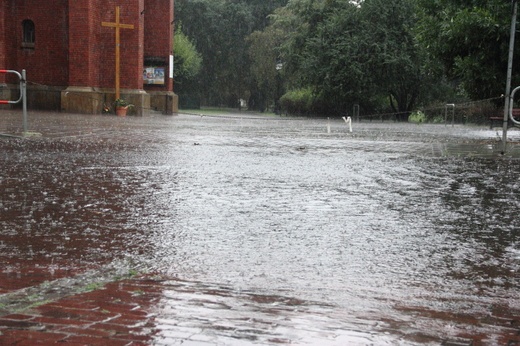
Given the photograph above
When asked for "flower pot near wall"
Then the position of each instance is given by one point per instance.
(121, 111)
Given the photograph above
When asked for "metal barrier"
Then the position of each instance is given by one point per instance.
(452, 106)
(23, 95)
(355, 112)
(510, 110)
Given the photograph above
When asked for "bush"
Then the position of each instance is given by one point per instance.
(417, 117)
(297, 102)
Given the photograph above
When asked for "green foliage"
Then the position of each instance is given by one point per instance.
(349, 53)
(218, 29)
(93, 286)
(188, 61)
(264, 55)
(122, 103)
(188, 64)
(298, 102)
(385, 55)
(471, 40)
(417, 117)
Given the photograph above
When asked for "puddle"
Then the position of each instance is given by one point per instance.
(394, 234)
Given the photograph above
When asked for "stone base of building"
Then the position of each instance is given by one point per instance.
(40, 97)
(88, 100)
(83, 100)
(166, 102)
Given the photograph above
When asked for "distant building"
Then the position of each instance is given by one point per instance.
(69, 55)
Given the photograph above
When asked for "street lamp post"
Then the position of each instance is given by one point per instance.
(277, 109)
(508, 99)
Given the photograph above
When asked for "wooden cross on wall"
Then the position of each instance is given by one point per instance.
(117, 25)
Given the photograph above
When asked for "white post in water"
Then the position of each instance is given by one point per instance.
(328, 125)
(508, 99)
(348, 120)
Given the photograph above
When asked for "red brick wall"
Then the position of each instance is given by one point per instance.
(159, 35)
(82, 46)
(3, 65)
(47, 63)
(10, 44)
(131, 44)
(73, 49)
(8, 16)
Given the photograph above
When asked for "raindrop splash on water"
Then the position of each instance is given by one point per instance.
(379, 237)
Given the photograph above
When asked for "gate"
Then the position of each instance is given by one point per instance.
(23, 95)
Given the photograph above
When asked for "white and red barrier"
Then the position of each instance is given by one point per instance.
(23, 95)
(20, 77)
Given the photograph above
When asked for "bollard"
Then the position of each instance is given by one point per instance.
(348, 120)
(23, 91)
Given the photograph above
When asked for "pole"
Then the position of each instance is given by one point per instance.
(24, 100)
(508, 99)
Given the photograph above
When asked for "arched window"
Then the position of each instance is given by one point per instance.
(29, 34)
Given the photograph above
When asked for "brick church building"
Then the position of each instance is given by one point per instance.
(68, 49)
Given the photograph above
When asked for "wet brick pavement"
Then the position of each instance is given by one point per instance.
(123, 312)
(96, 306)
(116, 314)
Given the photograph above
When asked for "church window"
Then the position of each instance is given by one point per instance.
(28, 34)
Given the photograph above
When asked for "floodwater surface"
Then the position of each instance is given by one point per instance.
(277, 231)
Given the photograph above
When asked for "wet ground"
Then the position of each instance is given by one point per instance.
(238, 230)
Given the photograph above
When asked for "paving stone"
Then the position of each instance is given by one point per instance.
(30, 338)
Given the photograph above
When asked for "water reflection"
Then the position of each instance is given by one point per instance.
(218, 315)
(375, 232)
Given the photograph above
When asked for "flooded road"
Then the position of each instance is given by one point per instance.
(276, 231)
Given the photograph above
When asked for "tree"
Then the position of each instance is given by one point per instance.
(218, 29)
(265, 66)
(395, 57)
(188, 63)
(471, 39)
(353, 53)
